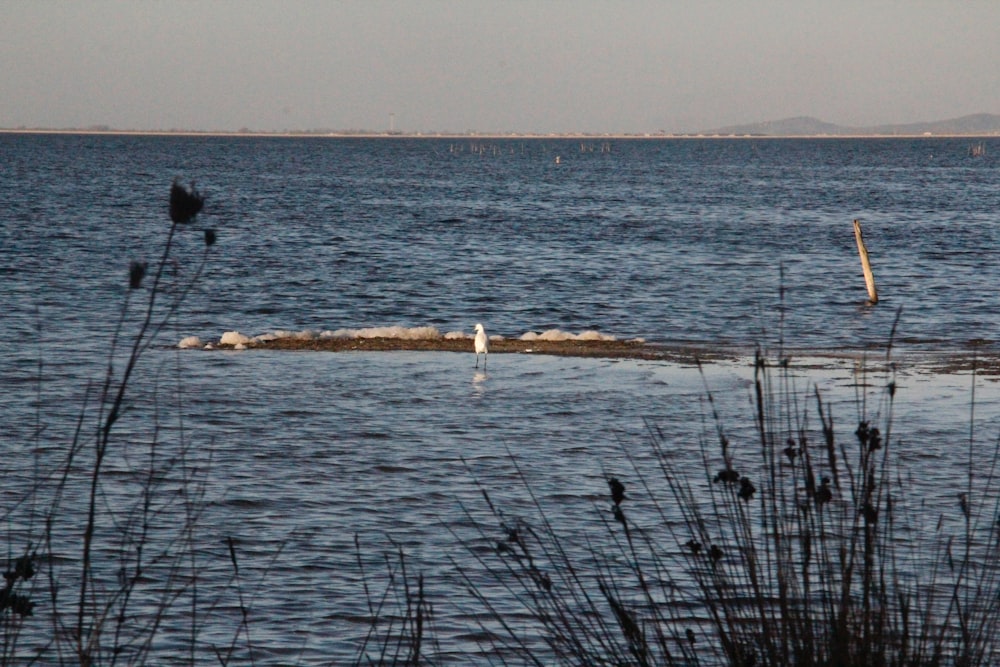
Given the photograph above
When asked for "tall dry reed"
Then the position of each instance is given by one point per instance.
(104, 553)
(789, 544)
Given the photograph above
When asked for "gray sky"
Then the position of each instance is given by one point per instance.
(493, 66)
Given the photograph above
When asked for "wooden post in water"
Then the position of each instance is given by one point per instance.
(865, 264)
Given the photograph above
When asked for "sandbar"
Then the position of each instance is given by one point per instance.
(948, 362)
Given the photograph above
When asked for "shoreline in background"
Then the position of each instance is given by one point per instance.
(480, 135)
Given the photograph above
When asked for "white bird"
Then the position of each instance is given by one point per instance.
(482, 344)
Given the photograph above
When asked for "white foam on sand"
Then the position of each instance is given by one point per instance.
(191, 342)
(306, 334)
(234, 338)
(559, 335)
(240, 341)
(412, 333)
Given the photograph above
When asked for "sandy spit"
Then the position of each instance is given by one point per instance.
(964, 361)
(618, 349)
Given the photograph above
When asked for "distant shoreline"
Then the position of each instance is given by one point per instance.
(482, 135)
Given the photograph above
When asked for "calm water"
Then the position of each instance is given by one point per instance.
(673, 241)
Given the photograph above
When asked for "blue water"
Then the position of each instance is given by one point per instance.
(667, 240)
(733, 242)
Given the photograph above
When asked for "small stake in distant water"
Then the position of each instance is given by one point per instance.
(482, 345)
(865, 264)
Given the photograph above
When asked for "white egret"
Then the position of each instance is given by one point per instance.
(482, 344)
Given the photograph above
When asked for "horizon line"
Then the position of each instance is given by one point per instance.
(398, 134)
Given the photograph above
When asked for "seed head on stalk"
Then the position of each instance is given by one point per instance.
(184, 203)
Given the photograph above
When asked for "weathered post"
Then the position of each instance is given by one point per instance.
(865, 264)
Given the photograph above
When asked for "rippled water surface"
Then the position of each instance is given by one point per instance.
(667, 240)
(300, 452)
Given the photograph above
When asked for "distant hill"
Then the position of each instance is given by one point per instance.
(977, 124)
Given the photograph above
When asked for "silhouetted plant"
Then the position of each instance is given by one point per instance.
(112, 571)
(12, 602)
(185, 203)
(767, 566)
(399, 620)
